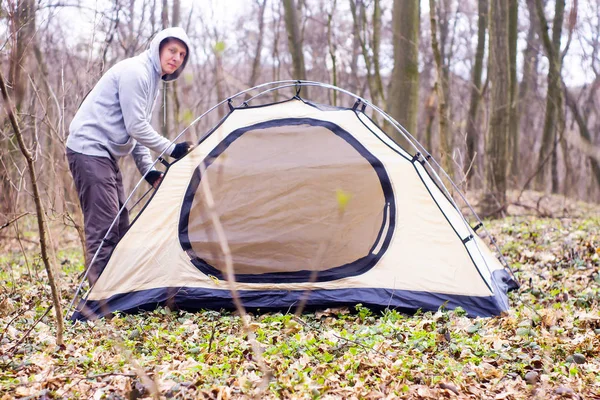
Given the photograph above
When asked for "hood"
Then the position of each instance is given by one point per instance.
(154, 50)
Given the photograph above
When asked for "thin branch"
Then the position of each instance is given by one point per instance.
(12, 349)
(572, 23)
(230, 275)
(21, 312)
(13, 220)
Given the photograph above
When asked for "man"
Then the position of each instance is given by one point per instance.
(112, 122)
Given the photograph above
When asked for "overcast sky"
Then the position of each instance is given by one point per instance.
(80, 21)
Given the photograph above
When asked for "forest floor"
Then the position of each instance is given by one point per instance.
(547, 346)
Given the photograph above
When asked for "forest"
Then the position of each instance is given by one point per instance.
(502, 94)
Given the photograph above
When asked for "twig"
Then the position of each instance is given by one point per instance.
(20, 240)
(15, 237)
(540, 213)
(230, 276)
(501, 209)
(364, 346)
(30, 329)
(21, 312)
(539, 168)
(73, 376)
(110, 374)
(212, 336)
(323, 246)
(13, 220)
(313, 275)
(118, 344)
(468, 171)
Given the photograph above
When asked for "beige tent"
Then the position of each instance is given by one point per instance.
(309, 197)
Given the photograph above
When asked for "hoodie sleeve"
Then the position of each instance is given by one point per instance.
(141, 156)
(134, 97)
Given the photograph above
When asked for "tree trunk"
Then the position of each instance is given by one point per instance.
(23, 29)
(176, 17)
(375, 45)
(332, 51)
(472, 136)
(219, 76)
(554, 95)
(292, 23)
(175, 21)
(403, 95)
(513, 130)
(584, 132)
(164, 15)
(494, 201)
(259, 43)
(360, 21)
(165, 109)
(41, 219)
(528, 84)
(445, 151)
(275, 55)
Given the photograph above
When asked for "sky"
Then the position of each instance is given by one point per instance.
(80, 22)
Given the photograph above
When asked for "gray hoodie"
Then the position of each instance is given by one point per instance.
(114, 119)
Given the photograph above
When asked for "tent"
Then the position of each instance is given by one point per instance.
(313, 201)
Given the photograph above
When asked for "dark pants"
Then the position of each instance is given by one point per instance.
(100, 188)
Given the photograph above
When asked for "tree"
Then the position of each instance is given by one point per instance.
(371, 58)
(585, 134)
(513, 134)
(47, 258)
(441, 86)
(403, 94)
(494, 201)
(528, 86)
(166, 106)
(472, 135)
(262, 5)
(554, 100)
(292, 24)
(332, 50)
(22, 28)
(175, 21)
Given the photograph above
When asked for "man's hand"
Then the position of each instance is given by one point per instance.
(154, 178)
(180, 150)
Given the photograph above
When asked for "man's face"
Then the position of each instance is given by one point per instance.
(172, 55)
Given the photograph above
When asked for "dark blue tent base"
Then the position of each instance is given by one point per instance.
(194, 299)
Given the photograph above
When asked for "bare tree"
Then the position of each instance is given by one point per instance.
(22, 32)
(172, 88)
(472, 134)
(256, 63)
(513, 127)
(369, 48)
(332, 49)
(584, 132)
(553, 117)
(22, 27)
(164, 121)
(276, 72)
(41, 214)
(528, 86)
(292, 23)
(494, 201)
(441, 88)
(403, 94)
